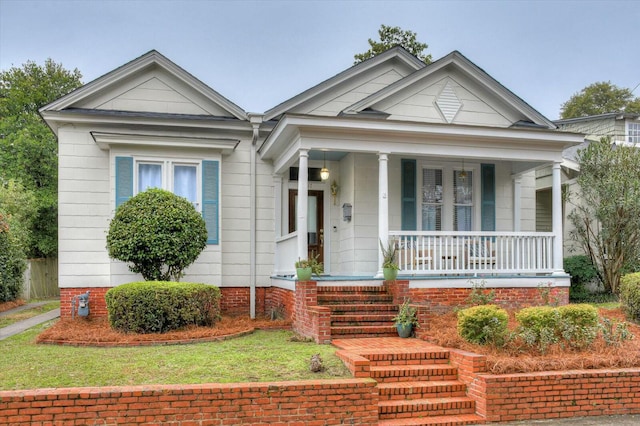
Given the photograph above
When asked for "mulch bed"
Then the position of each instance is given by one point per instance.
(5, 306)
(516, 357)
(98, 332)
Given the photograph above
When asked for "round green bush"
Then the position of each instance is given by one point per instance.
(630, 295)
(485, 324)
(12, 263)
(158, 233)
(161, 306)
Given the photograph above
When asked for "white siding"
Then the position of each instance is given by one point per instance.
(418, 103)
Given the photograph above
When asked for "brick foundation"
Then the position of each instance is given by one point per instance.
(439, 300)
(234, 301)
(321, 402)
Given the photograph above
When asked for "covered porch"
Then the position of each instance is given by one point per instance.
(454, 205)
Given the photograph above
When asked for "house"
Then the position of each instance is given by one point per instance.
(440, 159)
(622, 128)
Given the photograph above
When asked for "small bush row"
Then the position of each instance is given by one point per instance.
(540, 327)
(161, 306)
(630, 295)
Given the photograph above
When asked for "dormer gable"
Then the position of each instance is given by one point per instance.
(451, 90)
(331, 96)
(150, 84)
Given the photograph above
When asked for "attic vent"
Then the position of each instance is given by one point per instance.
(448, 103)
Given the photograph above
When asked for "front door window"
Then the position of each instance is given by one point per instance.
(315, 221)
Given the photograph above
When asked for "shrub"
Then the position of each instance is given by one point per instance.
(479, 295)
(161, 306)
(539, 326)
(12, 262)
(614, 332)
(630, 295)
(577, 325)
(158, 233)
(486, 324)
(580, 268)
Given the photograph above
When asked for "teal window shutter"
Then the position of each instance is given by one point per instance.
(408, 191)
(488, 207)
(210, 196)
(124, 179)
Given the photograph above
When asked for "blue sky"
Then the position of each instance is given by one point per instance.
(260, 53)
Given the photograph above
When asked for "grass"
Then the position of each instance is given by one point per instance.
(28, 313)
(260, 357)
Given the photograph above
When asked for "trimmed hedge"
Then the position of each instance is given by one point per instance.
(12, 263)
(630, 295)
(161, 306)
(485, 324)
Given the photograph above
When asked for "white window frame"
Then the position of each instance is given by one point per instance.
(447, 196)
(635, 138)
(167, 165)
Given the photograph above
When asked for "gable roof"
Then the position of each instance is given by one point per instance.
(139, 65)
(461, 62)
(397, 53)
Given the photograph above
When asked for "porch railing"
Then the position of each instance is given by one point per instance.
(427, 252)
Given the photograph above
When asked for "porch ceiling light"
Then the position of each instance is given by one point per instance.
(324, 172)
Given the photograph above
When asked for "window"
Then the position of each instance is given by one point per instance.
(179, 177)
(448, 200)
(633, 132)
(432, 200)
(462, 200)
(197, 181)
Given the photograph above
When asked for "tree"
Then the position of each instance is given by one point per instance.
(606, 217)
(159, 233)
(28, 149)
(391, 37)
(600, 98)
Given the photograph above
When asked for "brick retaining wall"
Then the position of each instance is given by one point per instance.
(320, 402)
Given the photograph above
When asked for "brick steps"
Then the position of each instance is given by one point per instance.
(416, 383)
(356, 319)
(363, 308)
(408, 373)
(426, 407)
(395, 391)
(349, 298)
(453, 420)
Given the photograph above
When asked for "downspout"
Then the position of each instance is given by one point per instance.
(255, 120)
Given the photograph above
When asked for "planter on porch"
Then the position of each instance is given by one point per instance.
(303, 274)
(390, 274)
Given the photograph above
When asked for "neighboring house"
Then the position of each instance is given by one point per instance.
(440, 158)
(622, 128)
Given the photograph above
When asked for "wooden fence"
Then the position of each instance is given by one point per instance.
(41, 279)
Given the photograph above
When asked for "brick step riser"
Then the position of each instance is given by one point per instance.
(363, 317)
(354, 300)
(426, 413)
(422, 395)
(363, 308)
(351, 290)
(461, 420)
(339, 333)
(401, 362)
(356, 324)
(420, 377)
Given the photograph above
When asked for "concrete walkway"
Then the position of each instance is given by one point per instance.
(21, 326)
(628, 420)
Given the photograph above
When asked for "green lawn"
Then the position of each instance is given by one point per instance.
(28, 313)
(261, 356)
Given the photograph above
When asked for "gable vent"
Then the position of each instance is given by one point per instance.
(448, 103)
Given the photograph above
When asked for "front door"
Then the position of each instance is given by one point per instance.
(315, 221)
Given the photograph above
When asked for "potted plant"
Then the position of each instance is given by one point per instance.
(307, 267)
(389, 263)
(406, 319)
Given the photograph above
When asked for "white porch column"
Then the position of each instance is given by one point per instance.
(517, 203)
(303, 202)
(556, 210)
(277, 194)
(383, 206)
